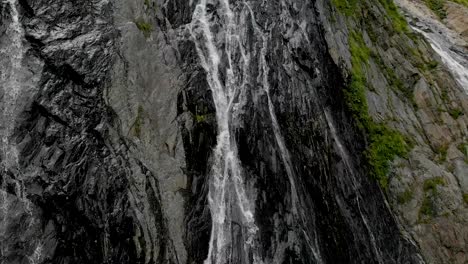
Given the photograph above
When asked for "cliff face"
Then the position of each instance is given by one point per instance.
(227, 132)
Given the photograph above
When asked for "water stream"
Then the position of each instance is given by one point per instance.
(228, 200)
(455, 62)
(233, 234)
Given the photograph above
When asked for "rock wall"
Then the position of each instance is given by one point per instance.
(114, 127)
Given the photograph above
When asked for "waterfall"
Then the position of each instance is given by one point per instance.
(227, 186)
(231, 209)
(11, 84)
(455, 62)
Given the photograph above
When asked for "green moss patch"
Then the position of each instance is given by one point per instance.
(385, 143)
(144, 27)
(427, 209)
(405, 196)
(137, 125)
(438, 7)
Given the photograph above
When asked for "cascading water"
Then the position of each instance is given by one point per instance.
(10, 82)
(233, 234)
(456, 63)
(229, 97)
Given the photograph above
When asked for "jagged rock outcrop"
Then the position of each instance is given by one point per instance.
(112, 123)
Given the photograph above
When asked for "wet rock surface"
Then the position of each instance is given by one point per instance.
(115, 127)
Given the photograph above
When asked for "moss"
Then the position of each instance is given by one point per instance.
(438, 7)
(144, 27)
(442, 153)
(137, 125)
(427, 208)
(430, 191)
(455, 113)
(355, 94)
(430, 185)
(465, 198)
(147, 2)
(462, 2)
(463, 147)
(385, 143)
(200, 118)
(398, 21)
(347, 7)
(405, 196)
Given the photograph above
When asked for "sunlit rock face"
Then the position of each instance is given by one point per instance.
(219, 131)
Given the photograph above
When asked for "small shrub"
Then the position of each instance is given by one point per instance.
(144, 27)
(430, 185)
(405, 196)
(462, 2)
(200, 118)
(138, 121)
(463, 147)
(347, 7)
(442, 152)
(456, 113)
(427, 208)
(398, 21)
(438, 7)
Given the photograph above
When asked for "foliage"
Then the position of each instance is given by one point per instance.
(442, 152)
(405, 196)
(465, 198)
(438, 7)
(200, 118)
(144, 27)
(398, 21)
(430, 189)
(385, 143)
(347, 7)
(462, 2)
(456, 113)
(138, 121)
(431, 184)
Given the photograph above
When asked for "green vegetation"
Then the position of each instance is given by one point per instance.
(430, 188)
(347, 7)
(398, 21)
(385, 143)
(405, 196)
(144, 27)
(427, 208)
(431, 184)
(462, 2)
(456, 113)
(442, 152)
(200, 118)
(438, 7)
(138, 121)
(463, 147)
(147, 3)
(352, 8)
(465, 198)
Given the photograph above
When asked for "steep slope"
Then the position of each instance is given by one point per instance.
(175, 131)
(408, 87)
